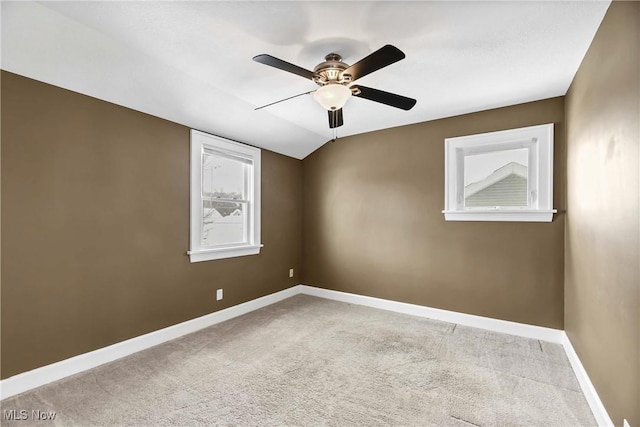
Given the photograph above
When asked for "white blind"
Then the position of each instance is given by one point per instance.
(227, 155)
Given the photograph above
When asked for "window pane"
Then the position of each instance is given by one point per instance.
(222, 177)
(498, 178)
(223, 223)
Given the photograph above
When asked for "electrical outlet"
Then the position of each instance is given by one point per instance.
(291, 272)
(218, 294)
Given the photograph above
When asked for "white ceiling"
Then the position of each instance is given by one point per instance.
(190, 62)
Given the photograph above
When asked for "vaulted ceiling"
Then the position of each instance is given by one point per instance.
(190, 62)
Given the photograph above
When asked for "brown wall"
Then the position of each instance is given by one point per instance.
(602, 276)
(95, 225)
(373, 224)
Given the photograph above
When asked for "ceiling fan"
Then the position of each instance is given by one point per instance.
(334, 77)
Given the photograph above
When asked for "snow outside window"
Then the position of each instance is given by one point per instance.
(225, 198)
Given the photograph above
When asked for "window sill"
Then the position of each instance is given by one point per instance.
(221, 253)
(500, 215)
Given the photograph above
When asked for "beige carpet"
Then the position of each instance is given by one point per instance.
(309, 361)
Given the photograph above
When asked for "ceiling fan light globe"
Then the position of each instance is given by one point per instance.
(332, 96)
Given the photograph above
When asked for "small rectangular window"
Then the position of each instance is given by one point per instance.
(496, 178)
(500, 176)
(225, 198)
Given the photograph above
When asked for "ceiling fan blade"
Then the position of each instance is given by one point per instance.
(383, 97)
(286, 99)
(283, 65)
(335, 118)
(382, 57)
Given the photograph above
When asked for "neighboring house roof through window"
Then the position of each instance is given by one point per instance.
(506, 186)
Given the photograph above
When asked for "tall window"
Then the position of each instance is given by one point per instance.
(500, 176)
(225, 198)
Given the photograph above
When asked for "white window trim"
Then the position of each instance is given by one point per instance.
(539, 141)
(197, 253)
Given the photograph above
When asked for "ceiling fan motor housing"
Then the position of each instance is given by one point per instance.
(331, 71)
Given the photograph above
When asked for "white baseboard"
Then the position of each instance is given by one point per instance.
(496, 325)
(589, 391)
(56, 371)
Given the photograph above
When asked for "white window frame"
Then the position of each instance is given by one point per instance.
(197, 252)
(537, 139)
